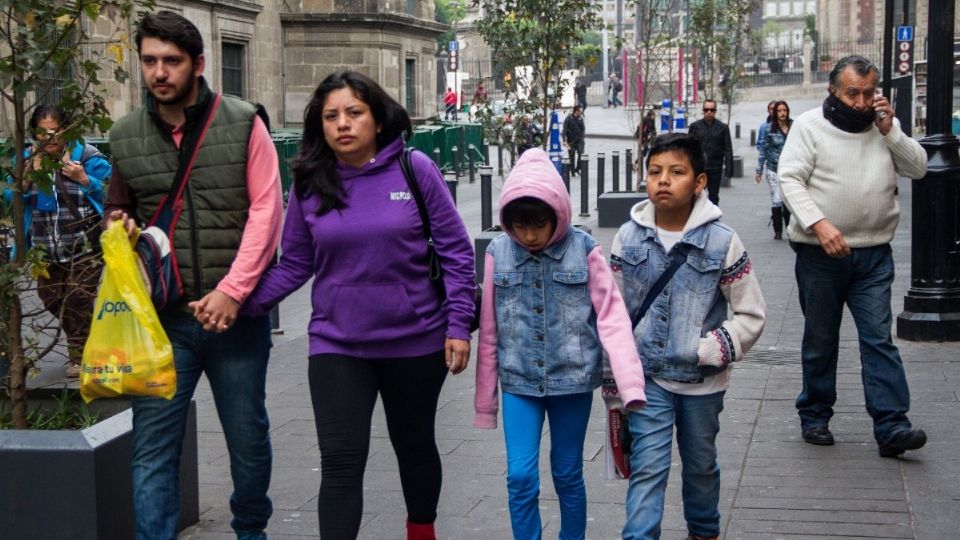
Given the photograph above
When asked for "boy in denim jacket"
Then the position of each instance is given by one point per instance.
(550, 308)
(686, 338)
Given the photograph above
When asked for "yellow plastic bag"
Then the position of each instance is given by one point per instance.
(128, 351)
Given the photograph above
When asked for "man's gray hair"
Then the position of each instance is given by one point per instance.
(860, 65)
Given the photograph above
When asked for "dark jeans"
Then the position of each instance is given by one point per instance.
(862, 281)
(69, 293)
(575, 153)
(344, 391)
(713, 185)
(235, 363)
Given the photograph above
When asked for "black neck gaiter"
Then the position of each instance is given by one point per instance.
(845, 117)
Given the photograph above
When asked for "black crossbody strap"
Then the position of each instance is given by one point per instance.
(434, 271)
(192, 147)
(677, 259)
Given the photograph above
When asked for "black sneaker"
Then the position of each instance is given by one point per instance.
(819, 435)
(907, 439)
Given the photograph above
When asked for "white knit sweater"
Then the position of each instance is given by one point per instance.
(847, 178)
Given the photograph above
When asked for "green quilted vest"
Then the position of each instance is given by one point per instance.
(215, 202)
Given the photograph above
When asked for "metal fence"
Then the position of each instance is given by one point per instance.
(781, 66)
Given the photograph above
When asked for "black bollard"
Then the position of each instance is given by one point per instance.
(753, 137)
(275, 321)
(737, 130)
(616, 170)
(584, 186)
(485, 150)
(436, 157)
(471, 150)
(500, 159)
(513, 154)
(601, 158)
(566, 173)
(628, 168)
(486, 198)
(452, 186)
(455, 159)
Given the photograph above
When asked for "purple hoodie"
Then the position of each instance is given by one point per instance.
(371, 295)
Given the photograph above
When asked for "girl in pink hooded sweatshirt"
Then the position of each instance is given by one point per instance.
(550, 308)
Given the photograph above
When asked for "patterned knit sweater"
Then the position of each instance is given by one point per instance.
(847, 178)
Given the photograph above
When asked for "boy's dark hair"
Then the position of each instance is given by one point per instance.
(529, 211)
(172, 27)
(683, 143)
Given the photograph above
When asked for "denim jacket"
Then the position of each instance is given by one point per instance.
(547, 337)
(686, 334)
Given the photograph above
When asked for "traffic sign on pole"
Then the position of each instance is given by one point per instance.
(904, 33)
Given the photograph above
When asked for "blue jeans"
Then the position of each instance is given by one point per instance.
(522, 425)
(861, 280)
(697, 419)
(235, 363)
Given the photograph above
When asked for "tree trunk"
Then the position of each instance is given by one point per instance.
(17, 381)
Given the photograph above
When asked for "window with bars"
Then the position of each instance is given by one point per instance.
(231, 61)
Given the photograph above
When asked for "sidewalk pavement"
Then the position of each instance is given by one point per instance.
(773, 484)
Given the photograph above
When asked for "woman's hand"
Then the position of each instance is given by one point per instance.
(74, 171)
(457, 354)
(758, 177)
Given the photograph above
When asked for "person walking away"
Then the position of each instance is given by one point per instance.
(526, 136)
(580, 93)
(65, 222)
(770, 149)
(714, 136)
(231, 208)
(574, 137)
(838, 175)
(550, 309)
(686, 365)
(450, 100)
(380, 325)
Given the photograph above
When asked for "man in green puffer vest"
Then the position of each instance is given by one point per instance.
(223, 241)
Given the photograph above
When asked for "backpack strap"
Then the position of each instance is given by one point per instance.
(677, 258)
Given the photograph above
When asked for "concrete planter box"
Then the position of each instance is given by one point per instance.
(77, 484)
(613, 207)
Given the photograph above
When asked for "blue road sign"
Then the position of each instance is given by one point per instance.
(904, 33)
(452, 46)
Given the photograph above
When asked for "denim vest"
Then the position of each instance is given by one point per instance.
(691, 304)
(547, 342)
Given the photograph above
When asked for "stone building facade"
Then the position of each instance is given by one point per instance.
(276, 52)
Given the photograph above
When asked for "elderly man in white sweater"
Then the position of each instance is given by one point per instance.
(838, 175)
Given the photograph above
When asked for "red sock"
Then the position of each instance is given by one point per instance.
(420, 531)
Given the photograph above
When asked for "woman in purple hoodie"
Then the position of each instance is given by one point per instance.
(379, 325)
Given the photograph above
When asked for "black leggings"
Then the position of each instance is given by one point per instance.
(344, 390)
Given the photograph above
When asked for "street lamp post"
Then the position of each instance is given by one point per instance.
(931, 307)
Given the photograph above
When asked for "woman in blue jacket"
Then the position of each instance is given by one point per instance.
(61, 220)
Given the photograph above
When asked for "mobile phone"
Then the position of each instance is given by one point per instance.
(880, 114)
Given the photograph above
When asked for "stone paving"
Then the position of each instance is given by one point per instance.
(773, 484)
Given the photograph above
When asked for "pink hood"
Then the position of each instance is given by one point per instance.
(535, 176)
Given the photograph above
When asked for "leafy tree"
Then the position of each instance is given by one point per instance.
(54, 51)
(540, 34)
(449, 13)
(721, 30)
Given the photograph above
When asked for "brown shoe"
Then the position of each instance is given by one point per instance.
(73, 371)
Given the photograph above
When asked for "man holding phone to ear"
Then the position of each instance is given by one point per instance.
(838, 175)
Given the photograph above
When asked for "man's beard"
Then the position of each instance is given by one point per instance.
(181, 95)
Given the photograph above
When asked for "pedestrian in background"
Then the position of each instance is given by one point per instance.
(714, 136)
(65, 223)
(838, 175)
(614, 87)
(574, 137)
(450, 101)
(380, 326)
(550, 310)
(770, 149)
(765, 126)
(685, 337)
(580, 94)
(224, 242)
